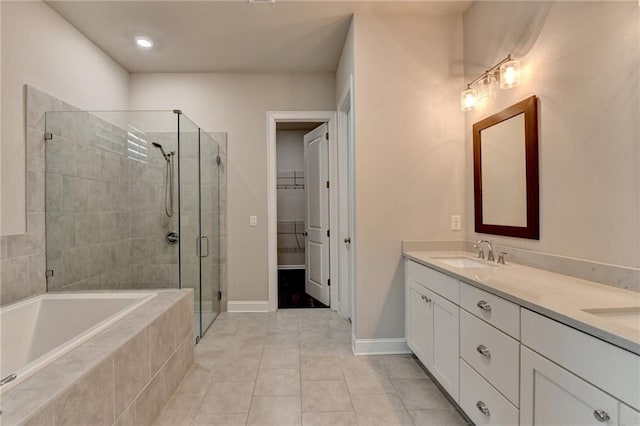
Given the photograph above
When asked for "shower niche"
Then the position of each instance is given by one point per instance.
(136, 200)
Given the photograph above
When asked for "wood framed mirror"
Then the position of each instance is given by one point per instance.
(505, 172)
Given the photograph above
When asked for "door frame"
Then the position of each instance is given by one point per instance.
(346, 200)
(274, 117)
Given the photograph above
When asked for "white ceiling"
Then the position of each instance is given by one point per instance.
(230, 36)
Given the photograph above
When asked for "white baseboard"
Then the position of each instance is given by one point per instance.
(251, 306)
(379, 346)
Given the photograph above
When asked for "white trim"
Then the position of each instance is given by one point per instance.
(273, 117)
(251, 306)
(379, 346)
(287, 267)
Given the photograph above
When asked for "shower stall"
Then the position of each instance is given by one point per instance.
(136, 200)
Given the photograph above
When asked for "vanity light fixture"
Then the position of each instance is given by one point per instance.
(144, 42)
(506, 73)
(469, 98)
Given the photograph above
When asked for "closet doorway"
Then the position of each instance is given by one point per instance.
(302, 214)
(300, 217)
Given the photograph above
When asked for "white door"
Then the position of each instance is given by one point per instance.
(550, 396)
(316, 159)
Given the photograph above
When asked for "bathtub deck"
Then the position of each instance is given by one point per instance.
(126, 373)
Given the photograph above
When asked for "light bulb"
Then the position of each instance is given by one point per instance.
(487, 89)
(468, 99)
(509, 74)
(144, 42)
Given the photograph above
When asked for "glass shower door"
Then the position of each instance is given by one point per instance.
(189, 219)
(209, 162)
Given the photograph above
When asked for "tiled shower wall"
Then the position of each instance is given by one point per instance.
(22, 256)
(87, 203)
(153, 262)
(106, 223)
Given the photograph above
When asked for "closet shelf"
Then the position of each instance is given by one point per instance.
(290, 179)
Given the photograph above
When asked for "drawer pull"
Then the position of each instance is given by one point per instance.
(601, 416)
(426, 298)
(483, 408)
(484, 351)
(484, 306)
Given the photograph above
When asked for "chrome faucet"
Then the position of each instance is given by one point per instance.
(478, 245)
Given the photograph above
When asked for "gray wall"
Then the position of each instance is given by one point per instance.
(582, 61)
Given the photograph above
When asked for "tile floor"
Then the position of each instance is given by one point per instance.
(296, 367)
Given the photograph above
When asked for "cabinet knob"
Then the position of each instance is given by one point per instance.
(601, 416)
(483, 408)
(484, 306)
(484, 351)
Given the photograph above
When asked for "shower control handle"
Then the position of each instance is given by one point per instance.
(172, 238)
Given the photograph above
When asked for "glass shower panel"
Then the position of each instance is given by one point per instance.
(105, 222)
(209, 229)
(133, 201)
(189, 180)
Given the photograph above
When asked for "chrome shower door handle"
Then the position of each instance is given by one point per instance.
(204, 237)
(199, 246)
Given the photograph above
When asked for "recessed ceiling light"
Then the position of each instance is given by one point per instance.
(144, 42)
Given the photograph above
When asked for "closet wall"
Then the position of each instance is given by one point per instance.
(291, 197)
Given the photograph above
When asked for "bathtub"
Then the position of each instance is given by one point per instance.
(38, 330)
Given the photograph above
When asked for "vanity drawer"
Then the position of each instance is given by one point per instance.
(435, 281)
(500, 363)
(493, 309)
(476, 395)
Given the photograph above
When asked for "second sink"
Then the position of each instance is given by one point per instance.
(464, 262)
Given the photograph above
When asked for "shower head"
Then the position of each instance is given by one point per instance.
(164, 154)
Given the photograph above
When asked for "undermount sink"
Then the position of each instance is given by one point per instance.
(627, 316)
(464, 262)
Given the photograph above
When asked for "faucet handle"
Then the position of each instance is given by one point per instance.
(501, 256)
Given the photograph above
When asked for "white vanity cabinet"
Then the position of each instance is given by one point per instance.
(507, 365)
(553, 396)
(569, 377)
(432, 326)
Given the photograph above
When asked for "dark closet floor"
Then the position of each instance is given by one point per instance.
(291, 293)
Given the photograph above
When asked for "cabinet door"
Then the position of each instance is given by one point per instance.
(551, 395)
(446, 349)
(420, 324)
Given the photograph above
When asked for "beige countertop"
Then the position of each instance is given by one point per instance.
(615, 312)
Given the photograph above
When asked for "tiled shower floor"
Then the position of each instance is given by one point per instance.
(295, 367)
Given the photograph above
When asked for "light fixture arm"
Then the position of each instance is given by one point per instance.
(490, 70)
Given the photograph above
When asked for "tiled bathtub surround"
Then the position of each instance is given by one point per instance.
(613, 275)
(123, 375)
